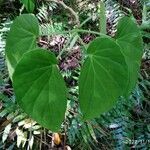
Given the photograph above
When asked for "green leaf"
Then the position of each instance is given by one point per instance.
(40, 89)
(130, 40)
(21, 38)
(29, 5)
(103, 77)
(6, 132)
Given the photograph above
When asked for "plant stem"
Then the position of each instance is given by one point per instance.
(77, 31)
(86, 31)
(144, 13)
(77, 21)
(85, 21)
(102, 16)
(64, 49)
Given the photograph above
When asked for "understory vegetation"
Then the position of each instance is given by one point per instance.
(125, 126)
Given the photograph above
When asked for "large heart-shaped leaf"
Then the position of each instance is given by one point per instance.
(103, 77)
(40, 89)
(21, 38)
(29, 5)
(130, 40)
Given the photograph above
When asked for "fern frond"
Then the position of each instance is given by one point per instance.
(50, 29)
(46, 11)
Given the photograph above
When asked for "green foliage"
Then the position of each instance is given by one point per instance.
(21, 38)
(46, 12)
(129, 120)
(103, 77)
(105, 62)
(29, 5)
(130, 41)
(44, 102)
(126, 126)
(16, 124)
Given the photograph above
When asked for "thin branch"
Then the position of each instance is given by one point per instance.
(76, 17)
(75, 31)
